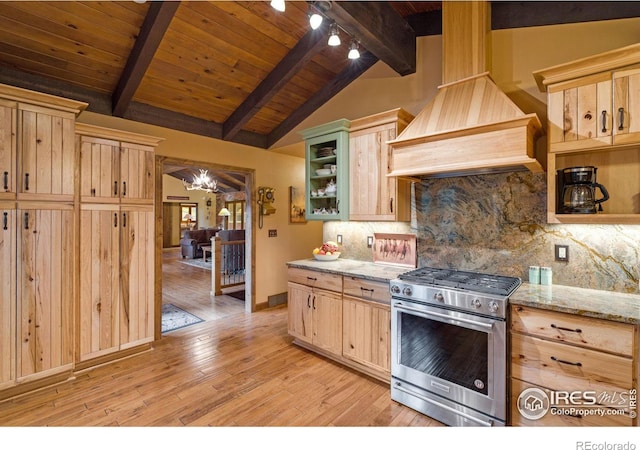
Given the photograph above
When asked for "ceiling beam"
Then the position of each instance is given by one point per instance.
(380, 30)
(342, 80)
(154, 27)
(306, 48)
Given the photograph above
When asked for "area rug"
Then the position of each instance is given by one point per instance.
(198, 262)
(174, 318)
(237, 294)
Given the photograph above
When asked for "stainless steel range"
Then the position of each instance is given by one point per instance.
(449, 344)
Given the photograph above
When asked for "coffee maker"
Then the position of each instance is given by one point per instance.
(576, 193)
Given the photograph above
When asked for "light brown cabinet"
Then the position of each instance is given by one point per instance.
(559, 352)
(117, 241)
(7, 294)
(594, 120)
(347, 319)
(315, 313)
(45, 289)
(373, 195)
(115, 166)
(37, 237)
(366, 313)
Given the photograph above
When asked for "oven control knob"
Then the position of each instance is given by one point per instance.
(395, 289)
(407, 291)
(476, 303)
(438, 297)
(493, 306)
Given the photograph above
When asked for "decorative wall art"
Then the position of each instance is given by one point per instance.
(296, 205)
(396, 249)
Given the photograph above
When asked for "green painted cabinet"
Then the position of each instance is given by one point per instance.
(327, 171)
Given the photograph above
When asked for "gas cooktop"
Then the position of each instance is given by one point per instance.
(458, 279)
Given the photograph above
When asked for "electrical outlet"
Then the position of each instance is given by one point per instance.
(369, 241)
(562, 253)
(273, 233)
(339, 239)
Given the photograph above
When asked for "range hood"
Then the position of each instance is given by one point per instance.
(471, 126)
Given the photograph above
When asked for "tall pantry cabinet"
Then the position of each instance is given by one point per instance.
(37, 235)
(116, 240)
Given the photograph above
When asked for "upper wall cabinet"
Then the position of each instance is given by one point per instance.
(373, 195)
(115, 166)
(594, 120)
(327, 171)
(37, 145)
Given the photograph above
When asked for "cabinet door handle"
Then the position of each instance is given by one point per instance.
(6, 181)
(93, 192)
(620, 119)
(26, 181)
(578, 364)
(573, 330)
(26, 220)
(124, 220)
(604, 120)
(391, 205)
(5, 221)
(115, 188)
(366, 290)
(115, 220)
(314, 302)
(338, 206)
(312, 279)
(124, 188)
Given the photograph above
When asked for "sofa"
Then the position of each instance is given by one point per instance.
(193, 240)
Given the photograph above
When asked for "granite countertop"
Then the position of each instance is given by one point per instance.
(614, 306)
(352, 267)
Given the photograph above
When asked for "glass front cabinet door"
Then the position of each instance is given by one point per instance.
(327, 171)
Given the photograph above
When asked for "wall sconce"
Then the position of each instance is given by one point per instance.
(265, 203)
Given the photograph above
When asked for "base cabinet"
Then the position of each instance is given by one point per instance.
(347, 319)
(45, 289)
(584, 365)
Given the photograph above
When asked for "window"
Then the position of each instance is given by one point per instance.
(236, 219)
(188, 216)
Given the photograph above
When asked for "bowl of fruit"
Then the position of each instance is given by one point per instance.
(329, 251)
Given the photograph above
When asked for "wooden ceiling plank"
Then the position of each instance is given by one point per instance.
(153, 29)
(290, 65)
(325, 93)
(380, 30)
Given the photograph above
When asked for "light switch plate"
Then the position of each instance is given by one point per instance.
(562, 253)
(369, 241)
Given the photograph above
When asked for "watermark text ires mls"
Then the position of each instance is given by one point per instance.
(535, 403)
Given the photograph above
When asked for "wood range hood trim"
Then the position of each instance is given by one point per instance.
(471, 126)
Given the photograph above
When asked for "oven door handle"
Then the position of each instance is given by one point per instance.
(401, 388)
(486, 326)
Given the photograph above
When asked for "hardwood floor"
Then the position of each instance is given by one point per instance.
(234, 369)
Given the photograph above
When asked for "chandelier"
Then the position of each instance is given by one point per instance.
(201, 182)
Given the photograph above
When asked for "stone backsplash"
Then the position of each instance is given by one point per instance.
(496, 223)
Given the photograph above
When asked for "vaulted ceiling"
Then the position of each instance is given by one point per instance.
(237, 71)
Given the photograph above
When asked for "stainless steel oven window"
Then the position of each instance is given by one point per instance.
(446, 351)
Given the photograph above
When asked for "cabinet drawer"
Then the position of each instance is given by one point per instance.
(314, 278)
(367, 289)
(599, 334)
(560, 420)
(568, 368)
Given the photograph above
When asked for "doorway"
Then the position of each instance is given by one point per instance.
(226, 174)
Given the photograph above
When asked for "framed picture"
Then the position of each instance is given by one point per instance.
(396, 249)
(296, 205)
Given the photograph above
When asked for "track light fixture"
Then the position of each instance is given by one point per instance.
(334, 38)
(315, 18)
(354, 52)
(278, 5)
